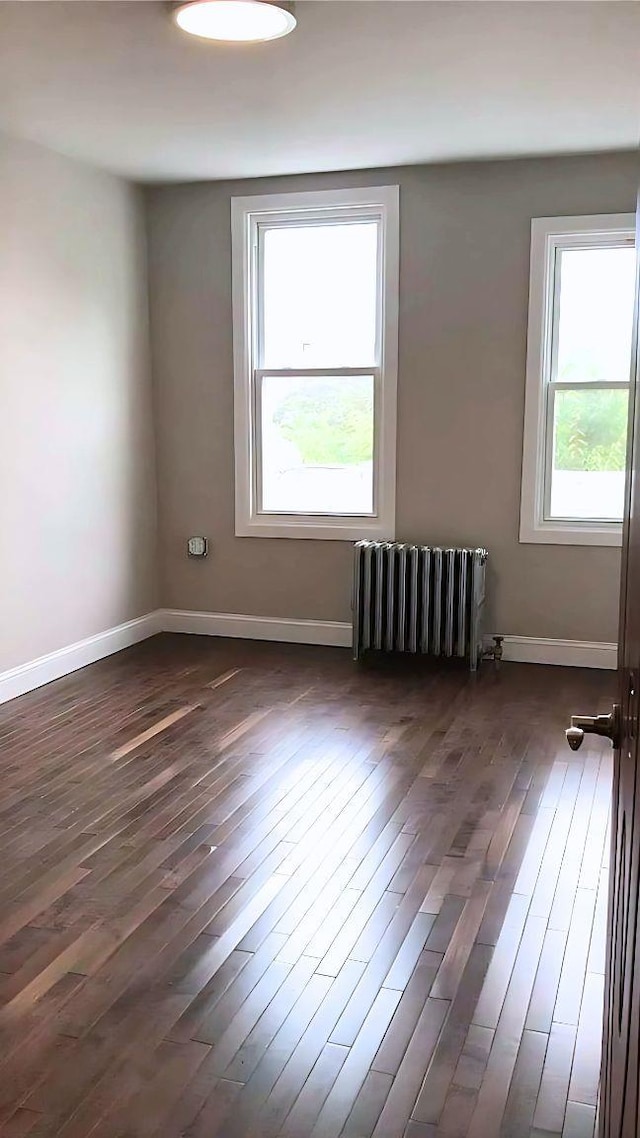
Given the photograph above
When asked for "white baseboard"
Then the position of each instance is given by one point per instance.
(35, 673)
(567, 653)
(332, 632)
(525, 649)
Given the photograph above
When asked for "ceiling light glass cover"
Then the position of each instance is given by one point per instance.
(236, 21)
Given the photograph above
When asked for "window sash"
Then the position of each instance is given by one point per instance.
(558, 246)
(552, 388)
(312, 373)
(297, 220)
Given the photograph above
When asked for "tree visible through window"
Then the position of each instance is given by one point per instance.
(329, 422)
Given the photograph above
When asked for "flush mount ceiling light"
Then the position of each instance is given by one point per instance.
(236, 21)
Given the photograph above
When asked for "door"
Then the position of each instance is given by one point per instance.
(619, 1098)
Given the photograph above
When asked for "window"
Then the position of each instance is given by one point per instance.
(581, 299)
(315, 314)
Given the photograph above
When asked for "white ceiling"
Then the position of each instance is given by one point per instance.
(359, 83)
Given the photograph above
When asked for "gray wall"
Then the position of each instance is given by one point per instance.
(463, 316)
(77, 501)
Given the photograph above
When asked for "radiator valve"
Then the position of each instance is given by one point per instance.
(496, 652)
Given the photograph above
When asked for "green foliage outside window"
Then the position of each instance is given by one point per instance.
(590, 430)
(330, 422)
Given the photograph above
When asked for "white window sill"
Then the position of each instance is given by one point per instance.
(563, 533)
(317, 528)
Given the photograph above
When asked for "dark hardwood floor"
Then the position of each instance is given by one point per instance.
(251, 890)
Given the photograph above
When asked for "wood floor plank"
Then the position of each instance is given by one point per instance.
(441, 1071)
(474, 1057)
(545, 988)
(224, 678)
(292, 1080)
(572, 977)
(520, 1107)
(579, 1121)
(402, 1027)
(493, 1094)
(341, 1098)
(460, 944)
(404, 1092)
(310, 1102)
(585, 1072)
(552, 1099)
(411, 951)
(157, 729)
(367, 1106)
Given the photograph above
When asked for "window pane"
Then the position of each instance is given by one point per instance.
(596, 314)
(317, 444)
(589, 452)
(319, 295)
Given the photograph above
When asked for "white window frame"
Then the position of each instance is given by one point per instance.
(380, 203)
(548, 236)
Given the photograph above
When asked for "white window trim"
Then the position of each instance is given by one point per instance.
(547, 234)
(246, 214)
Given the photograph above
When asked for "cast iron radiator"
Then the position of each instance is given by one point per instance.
(412, 598)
